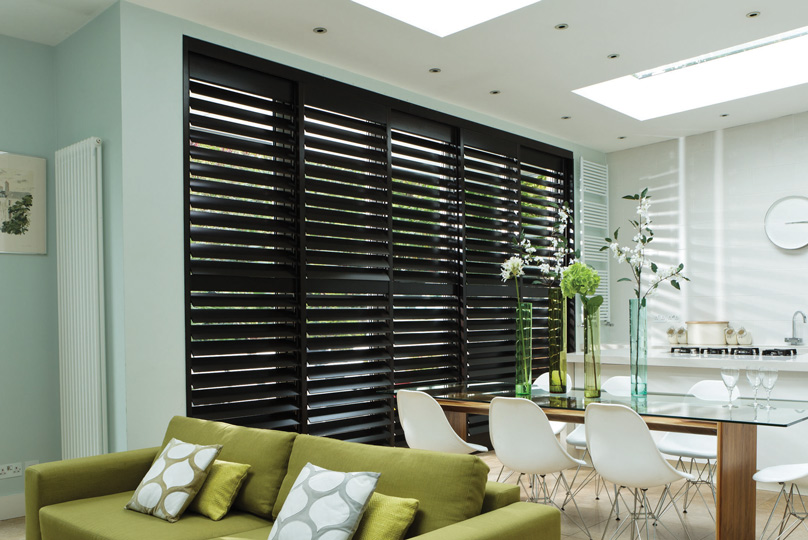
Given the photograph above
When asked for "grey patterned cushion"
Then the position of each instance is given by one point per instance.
(324, 505)
(173, 480)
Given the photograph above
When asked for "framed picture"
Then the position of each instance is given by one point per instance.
(23, 211)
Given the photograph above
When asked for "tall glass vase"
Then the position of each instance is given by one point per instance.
(638, 342)
(524, 349)
(557, 325)
(592, 352)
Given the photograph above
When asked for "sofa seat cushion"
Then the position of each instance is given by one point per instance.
(448, 487)
(104, 518)
(255, 534)
(264, 450)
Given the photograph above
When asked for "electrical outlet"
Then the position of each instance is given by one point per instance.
(674, 318)
(10, 470)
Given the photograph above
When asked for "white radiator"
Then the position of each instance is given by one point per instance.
(80, 270)
(594, 211)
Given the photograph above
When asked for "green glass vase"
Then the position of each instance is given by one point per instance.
(557, 345)
(591, 352)
(638, 343)
(524, 349)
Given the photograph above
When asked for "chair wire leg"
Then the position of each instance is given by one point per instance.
(771, 514)
(582, 525)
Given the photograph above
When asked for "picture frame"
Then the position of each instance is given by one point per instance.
(23, 204)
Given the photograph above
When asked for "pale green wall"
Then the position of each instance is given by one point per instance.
(153, 200)
(29, 383)
(88, 104)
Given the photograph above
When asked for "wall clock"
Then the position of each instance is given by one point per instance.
(786, 222)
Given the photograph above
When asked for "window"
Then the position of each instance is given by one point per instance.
(340, 242)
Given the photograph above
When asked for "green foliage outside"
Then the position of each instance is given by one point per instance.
(19, 217)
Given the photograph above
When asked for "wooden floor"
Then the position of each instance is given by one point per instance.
(595, 513)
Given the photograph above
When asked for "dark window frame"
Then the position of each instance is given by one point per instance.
(422, 130)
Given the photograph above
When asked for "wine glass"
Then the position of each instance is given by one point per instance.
(730, 377)
(753, 376)
(768, 377)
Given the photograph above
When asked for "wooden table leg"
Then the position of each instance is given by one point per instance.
(458, 422)
(737, 462)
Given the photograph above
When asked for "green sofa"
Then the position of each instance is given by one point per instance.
(83, 499)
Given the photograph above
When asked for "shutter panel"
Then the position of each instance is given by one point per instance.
(427, 238)
(348, 320)
(242, 315)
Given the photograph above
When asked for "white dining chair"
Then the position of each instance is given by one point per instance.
(542, 382)
(624, 453)
(426, 426)
(788, 476)
(697, 454)
(617, 386)
(524, 441)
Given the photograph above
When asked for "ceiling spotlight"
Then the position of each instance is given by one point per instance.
(622, 137)
(434, 70)
(753, 14)
(320, 30)
(613, 56)
(566, 117)
(495, 92)
(562, 26)
(724, 115)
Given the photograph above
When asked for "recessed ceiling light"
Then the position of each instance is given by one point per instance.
(444, 17)
(434, 70)
(724, 115)
(495, 92)
(753, 14)
(613, 56)
(562, 26)
(320, 30)
(622, 137)
(566, 117)
(745, 70)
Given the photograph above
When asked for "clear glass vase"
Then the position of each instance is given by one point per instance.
(638, 343)
(524, 349)
(592, 352)
(557, 345)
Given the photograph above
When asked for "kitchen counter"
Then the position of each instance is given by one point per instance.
(664, 358)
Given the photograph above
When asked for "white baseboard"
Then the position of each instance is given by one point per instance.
(12, 506)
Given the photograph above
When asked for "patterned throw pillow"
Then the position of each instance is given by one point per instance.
(220, 489)
(324, 505)
(173, 480)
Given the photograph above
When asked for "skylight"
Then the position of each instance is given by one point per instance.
(745, 70)
(444, 17)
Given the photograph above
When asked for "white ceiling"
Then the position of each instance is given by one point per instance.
(535, 66)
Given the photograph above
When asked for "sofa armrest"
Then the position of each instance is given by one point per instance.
(73, 479)
(517, 521)
(499, 495)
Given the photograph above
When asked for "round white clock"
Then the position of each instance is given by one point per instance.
(786, 222)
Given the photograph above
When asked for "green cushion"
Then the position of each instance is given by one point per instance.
(256, 534)
(386, 518)
(265, 451)
(449, 487)
(220, 489)
(104, 518)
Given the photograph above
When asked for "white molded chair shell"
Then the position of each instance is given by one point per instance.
(542, 382)
(691, 445)
(617, 386)
(783, 474)
(622, 449)
(426, 427)
(523, 439)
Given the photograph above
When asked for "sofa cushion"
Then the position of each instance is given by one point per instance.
(265, 451)
(220, 489)
(449, 487)
(104, 518)
(386, 517)
(255, 534)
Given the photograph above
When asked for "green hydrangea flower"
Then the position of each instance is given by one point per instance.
(579, 279)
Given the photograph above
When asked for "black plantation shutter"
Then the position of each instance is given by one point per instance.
(242, 318)
(427, 239)
(347, 276)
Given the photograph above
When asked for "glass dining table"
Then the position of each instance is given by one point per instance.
(736, 428)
